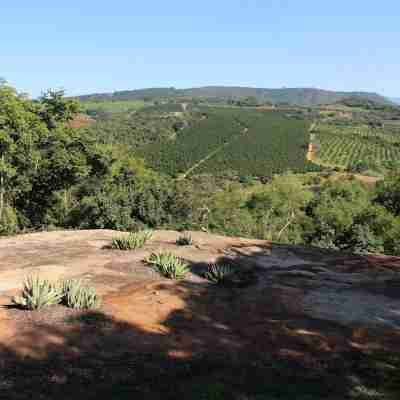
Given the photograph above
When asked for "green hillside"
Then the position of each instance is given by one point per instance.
(358, 146)
(247, 142)
(297, 96)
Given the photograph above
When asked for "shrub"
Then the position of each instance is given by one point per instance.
(38, 293)
(220, 273)
(168, 265)
(388, 193)
(132, 241)
(358, 167)
(77, 296)
(184, 240)
(9, 221)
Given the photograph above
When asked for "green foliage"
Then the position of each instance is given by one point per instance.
(220, 273)
(392, 238)
(280, 208)
(39, 154)
(132, 241)
(366, 103)
(136, 129)
(130, 197)
(358, 167)
(184, 240)
(228, 213)
(9, 221)
(100, 109)
(342, 216)
(55, 108)
(358, 147)
(53, 175)
(299, 96)
(168, 265)
(388, 193)
(38, 293)
(249, 142)
(76, 295)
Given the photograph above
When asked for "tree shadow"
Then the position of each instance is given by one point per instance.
(220, 343)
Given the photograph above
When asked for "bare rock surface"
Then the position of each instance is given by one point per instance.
(310, 307)
(337, 287)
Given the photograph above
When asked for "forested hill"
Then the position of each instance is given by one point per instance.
(299, 96)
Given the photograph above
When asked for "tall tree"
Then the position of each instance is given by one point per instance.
(39, 153)
(21, 129)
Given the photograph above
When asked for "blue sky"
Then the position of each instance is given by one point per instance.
(94, 46)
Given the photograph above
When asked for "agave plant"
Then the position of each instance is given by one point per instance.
(169, 265)
(78, 296)
(220, 273)
(38, 293)
(184, 240)
(132, 241)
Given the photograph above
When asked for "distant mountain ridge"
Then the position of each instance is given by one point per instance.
(395, 100)
(295, 96)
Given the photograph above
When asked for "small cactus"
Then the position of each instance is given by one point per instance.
(38, 293)
(132, 241)
(168, 265)
(184, 240)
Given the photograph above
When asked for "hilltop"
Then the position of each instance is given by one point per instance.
(304, 321)
(294, 96)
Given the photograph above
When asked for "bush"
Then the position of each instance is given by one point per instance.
(184, 240)
(219, 273)
(77, 296)
(168, 265)
(358, 167)
(388, 193)
(361, 239)
(38, 293)
(132, 241)
(9, 221)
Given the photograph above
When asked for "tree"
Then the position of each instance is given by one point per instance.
(280, 206)
(56, 109)
(39, 154)
(21, 129)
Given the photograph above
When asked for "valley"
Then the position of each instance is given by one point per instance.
(354, 134)
(200, 200)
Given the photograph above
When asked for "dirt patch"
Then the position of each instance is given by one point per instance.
(81, 121)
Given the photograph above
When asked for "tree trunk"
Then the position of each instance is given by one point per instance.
(289, 221)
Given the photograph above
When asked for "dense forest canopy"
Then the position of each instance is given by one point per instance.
(56, 176)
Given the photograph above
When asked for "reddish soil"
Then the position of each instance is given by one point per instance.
(81, 120)
(288, 314)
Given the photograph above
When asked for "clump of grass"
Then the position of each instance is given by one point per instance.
(220, 273)
(132, 241)
(184, 240)
(78, 296)
(38, 293)
(168, 265)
